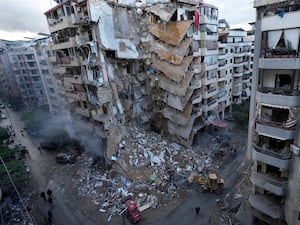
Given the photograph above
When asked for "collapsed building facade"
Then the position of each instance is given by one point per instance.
(139, 62)
(273, 141)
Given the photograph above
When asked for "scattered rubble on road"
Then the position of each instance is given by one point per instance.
(149, 169)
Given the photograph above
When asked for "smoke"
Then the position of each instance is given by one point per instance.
(93, 143)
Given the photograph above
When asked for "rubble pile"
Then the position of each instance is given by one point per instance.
(155, 172)
(14, 212)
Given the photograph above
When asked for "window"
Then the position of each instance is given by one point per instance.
(31, 64)
(34, 71)
(29, 56)
(209, 28)
(45, 72)
(36, 78)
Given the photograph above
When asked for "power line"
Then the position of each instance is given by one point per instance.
(19, 196)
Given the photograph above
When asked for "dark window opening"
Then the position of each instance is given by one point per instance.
(280, 115)
(283, 80)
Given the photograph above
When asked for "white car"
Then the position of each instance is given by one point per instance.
(2, 106)
(3, 116)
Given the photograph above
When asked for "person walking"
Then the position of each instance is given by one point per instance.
(49, 218)
(50, 200)
(49, 193)
(197, 211)
(43, 195)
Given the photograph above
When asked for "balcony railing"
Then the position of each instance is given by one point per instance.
(279, 91)
(277, 153)
(282, 125)
(279, 53)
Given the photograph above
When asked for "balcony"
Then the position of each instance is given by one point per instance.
(211, 92)
(69, 61)
(238, 54)
(266, 205)
(80, 19)
(238, 74)
(207, 81)
(211, 106)
(81, 40)
(209, 20)
(206, 51)
(59, 69)
(64, 43)
(278, 158)
(82, 111)
(275, 129)
(76, 95)
(75, 79)
(275, 185)
(60, 24)
(280, 59)
(206, 67)
(278, 96)
(196, 98)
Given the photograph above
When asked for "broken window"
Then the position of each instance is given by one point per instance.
(283, 81)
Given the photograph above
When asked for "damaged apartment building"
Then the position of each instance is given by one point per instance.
(273, 141)
(142, 62)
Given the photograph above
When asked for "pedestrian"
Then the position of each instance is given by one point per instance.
(49, 193)
(50, 200)
(197, 210)
(49, 220)
(43, 195)
(49, 214)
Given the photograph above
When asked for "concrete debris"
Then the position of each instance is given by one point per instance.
(154, 171)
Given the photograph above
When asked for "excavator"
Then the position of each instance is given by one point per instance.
(209, 183)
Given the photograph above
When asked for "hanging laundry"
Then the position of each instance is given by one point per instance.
(196, 20)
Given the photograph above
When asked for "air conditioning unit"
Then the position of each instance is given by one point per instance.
(295, 149)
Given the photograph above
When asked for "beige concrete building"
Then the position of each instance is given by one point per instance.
(144, 63)
(25, 66)
(273, 142)
(234, 71)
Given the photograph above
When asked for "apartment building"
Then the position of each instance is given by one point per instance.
(273, 141)
(144, 63)
(27, 74)
(7, 78)
(235, 67)
(40, 47)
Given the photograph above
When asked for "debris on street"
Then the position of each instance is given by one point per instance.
(149, 169)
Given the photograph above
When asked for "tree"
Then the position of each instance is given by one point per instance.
(17, 172)
(4, 135)
(240, 114)
(7, 154)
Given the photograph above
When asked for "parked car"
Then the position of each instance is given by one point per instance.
(65, 158)
(3, 116)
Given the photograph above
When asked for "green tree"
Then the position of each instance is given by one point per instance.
(240, 114)
(17, 172)
(3, 134)
(7, 154)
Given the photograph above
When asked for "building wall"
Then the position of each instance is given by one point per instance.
(274, 114)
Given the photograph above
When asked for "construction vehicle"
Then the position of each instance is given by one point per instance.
(133, 212)
(209, 183)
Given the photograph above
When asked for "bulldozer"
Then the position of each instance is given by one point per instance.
(209, 183)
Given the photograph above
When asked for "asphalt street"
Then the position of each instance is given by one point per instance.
(69, 209)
